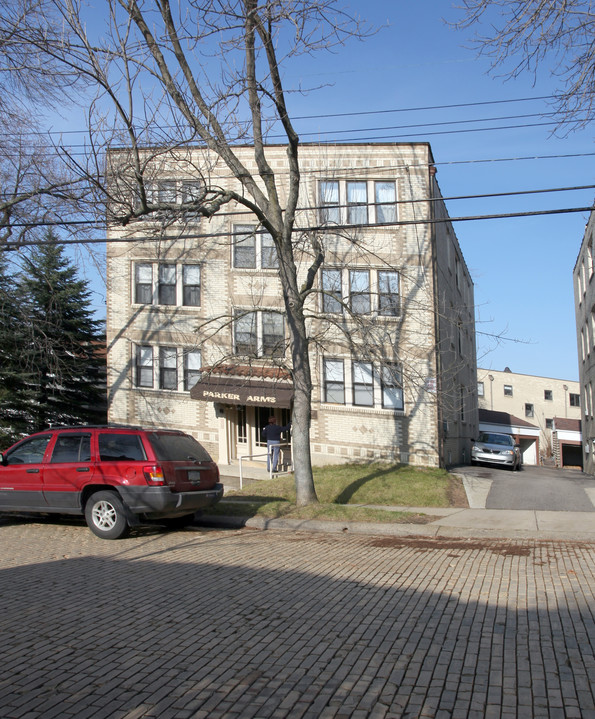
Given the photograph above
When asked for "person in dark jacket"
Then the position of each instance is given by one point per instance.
(272, 433)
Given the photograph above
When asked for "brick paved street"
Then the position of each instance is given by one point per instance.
(241, 623)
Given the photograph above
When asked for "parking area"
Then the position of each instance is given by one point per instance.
(242, 623)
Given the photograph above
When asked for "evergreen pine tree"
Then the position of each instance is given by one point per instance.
(64, 357)
(14, 376)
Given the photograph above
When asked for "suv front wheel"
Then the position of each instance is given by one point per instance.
(106, 516)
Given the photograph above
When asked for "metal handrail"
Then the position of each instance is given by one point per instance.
(254, 456)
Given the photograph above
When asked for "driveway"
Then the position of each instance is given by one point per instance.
(536, 488)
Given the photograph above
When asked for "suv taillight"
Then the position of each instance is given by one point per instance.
(154, 474)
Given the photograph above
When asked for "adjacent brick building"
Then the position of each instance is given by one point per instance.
(531, 401)
(584, 303)
(196, 333)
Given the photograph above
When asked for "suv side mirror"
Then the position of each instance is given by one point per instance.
(3, 461)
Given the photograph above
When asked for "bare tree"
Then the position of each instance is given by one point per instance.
(37, 188)
(523, 36)
(208, 73)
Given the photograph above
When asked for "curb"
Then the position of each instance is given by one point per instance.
(431, 530)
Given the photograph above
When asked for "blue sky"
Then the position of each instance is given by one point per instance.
(521, 267)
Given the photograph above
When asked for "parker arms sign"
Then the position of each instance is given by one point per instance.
(229, 390)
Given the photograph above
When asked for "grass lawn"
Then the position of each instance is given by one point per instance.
(343, 489)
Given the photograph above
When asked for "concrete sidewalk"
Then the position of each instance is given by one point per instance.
(447, 522)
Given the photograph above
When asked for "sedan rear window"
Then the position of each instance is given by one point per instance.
(177, 448)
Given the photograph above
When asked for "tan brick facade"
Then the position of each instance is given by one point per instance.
(537, 400)
(431, 339)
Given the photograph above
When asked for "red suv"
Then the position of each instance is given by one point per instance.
(115, 476)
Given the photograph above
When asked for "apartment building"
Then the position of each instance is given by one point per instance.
(197, 337)
(533, 407)
(584, 304)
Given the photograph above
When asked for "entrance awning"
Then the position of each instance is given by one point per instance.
(245, 390)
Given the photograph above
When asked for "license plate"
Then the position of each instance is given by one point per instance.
(193, 475)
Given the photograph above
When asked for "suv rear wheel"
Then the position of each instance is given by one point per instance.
(106, 516)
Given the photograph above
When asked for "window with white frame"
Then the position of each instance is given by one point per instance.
(192, 365)
(330, 211)
(143, 283)
(167, 361)
(168, 368)
(357, 203)
(253, 249)
(385, 195)
(334, 381)
(259, 333)
(332, 299)
(392, 387)
(166, 290)
(359, 292)
(480, 389)
(143, 366)
(363, 384)
(529, 410)
(166, 191)
(366, 290)
(508, 390)
(191, 285)
(167, 283)
(192, 191)
(388, 293)
(349, 202)
(574, 399)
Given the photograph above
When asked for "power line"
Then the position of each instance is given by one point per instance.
(313, 208)
(325, 116)
(317, 228)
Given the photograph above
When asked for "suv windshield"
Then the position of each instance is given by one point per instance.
(177, 447)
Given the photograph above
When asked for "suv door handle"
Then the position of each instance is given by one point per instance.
(32, 471)
(82, 469)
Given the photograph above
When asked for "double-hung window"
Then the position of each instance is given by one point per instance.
(386, 202)
(334, 381)
(167, 284)
(191, 285)
(143, 283)
(259, 334)
(168, 368)
(244, 247)
(245, 334)
(166, 191)
(357, 203)
(388, 293)
(192, 191)
(359, 291)
(332, 291)
(268, 252)
(330, 211)
(273, 338)
(192, 365)
(392, 387)
(144, 366)
(174, 283)
(253, 249)
(363, 384)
